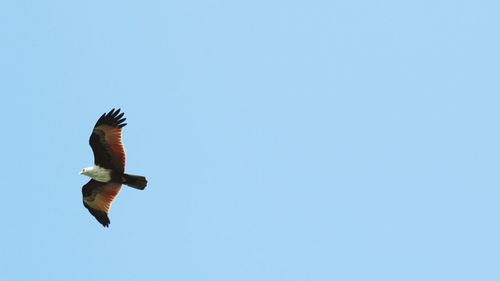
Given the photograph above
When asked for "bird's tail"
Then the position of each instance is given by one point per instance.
(134, 181)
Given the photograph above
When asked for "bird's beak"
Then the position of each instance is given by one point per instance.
(81, 172)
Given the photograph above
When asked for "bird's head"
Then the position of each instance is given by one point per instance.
(87, 171)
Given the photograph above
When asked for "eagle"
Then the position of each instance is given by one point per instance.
(108, 173)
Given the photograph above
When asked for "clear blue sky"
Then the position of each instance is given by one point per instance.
(282, 140)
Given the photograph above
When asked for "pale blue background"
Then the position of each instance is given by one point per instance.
(282, 140)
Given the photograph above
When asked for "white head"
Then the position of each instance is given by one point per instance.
(97, 173)
(89, 171)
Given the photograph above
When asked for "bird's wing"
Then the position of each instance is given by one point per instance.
(97, 198)
(106, 141)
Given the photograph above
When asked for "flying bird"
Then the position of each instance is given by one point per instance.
(108, 173)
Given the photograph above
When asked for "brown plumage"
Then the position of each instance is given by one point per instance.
(108, 173)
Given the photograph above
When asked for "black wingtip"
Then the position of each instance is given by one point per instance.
(112, 118)
(101, 216)
(104, 220)
(114, 114)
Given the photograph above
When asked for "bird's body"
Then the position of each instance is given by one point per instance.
(108, 173)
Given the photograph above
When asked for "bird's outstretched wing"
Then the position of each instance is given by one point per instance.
(106, 141)
(97, 198)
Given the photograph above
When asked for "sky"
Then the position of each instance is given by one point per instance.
(282, 140)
